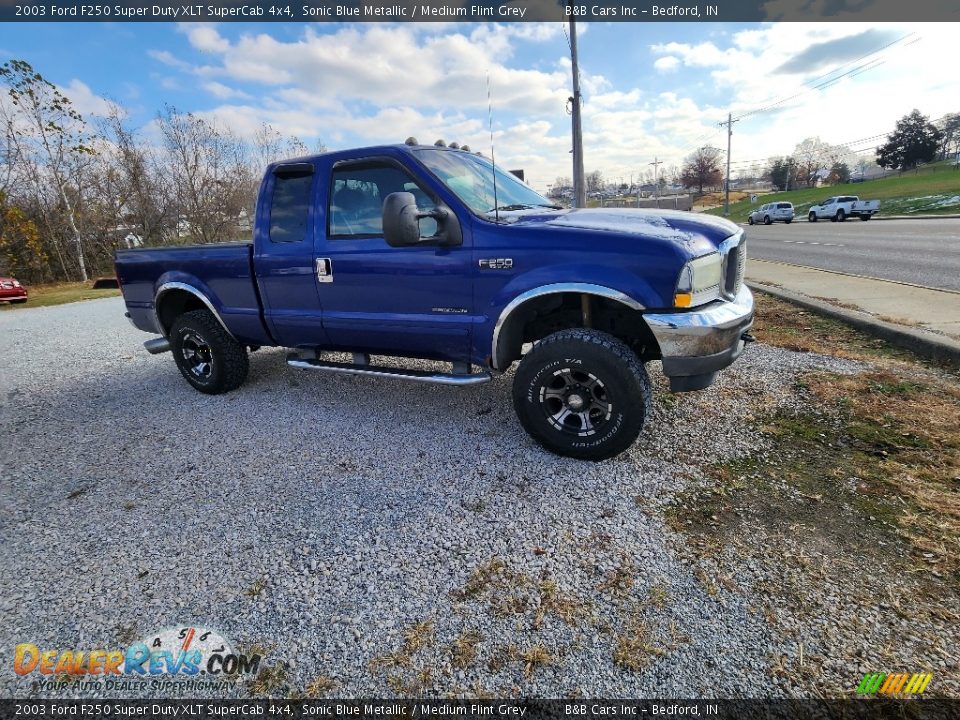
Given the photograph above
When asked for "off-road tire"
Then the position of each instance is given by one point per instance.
(589, 365)
(206, 338)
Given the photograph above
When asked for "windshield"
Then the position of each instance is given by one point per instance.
(470, 178)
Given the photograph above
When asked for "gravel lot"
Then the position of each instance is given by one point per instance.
(380, 536)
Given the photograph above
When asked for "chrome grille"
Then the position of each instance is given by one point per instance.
(734, 253)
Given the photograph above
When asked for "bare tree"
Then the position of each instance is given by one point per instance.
(815, 158)
(594, 181)
(49, 139)
(208, 174)
(701, 169)
(133, 165)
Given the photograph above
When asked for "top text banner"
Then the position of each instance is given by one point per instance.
(861, 11)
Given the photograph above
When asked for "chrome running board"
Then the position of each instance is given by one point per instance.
(301, 363)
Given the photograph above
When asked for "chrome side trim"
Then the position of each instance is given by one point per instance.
(398, 373)
(553, 289)
(167, 287)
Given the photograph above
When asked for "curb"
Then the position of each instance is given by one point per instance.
(862, 277)
(876, 217)
(915, 217)
(925, 344)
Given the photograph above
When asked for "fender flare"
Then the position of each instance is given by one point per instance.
(554, 289)
(167, 287)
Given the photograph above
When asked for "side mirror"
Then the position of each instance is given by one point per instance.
(401, 223)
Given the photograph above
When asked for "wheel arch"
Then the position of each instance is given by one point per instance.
(539, 304)
(174, 297)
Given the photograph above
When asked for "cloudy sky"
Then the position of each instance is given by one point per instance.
(651, 90)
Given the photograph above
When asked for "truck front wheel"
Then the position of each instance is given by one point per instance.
(210, 360)
(582, 393)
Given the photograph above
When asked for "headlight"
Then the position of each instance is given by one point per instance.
(699, 282)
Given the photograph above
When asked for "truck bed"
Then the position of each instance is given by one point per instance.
(222, 272)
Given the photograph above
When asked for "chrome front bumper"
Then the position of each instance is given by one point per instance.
(696, 345)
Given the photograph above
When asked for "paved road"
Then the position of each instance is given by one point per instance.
(923, 252)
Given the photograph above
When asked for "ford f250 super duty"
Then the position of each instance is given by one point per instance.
(433, 253)
(839, 208)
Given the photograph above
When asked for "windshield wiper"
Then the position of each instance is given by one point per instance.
(518, 206)
(523, 206)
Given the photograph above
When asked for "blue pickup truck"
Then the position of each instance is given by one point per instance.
(434, 253)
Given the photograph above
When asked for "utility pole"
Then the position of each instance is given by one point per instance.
(579, 183)
(729, 123)
(656, 178)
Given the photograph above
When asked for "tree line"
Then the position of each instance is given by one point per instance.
(74, 189)
(915, 141)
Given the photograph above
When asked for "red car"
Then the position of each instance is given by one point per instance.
(12, 291)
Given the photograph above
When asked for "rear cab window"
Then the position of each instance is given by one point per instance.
(290, 203)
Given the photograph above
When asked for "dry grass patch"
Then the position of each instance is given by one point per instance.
(553, 602)
(904, 434)
(463, 652)
(534, 657)
(633, 649)
(320, 686)
(505, 590)
(620, 580)
(268, 680)
(785, 325)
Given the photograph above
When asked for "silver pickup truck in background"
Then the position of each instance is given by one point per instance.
(839, 208)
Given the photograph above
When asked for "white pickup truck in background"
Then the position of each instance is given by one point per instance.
(839, 208)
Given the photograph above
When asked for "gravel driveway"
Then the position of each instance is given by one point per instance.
(370, 537)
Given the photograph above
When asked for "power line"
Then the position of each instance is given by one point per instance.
(821, 82)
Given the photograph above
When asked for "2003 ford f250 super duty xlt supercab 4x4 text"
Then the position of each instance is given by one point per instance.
(414, 251)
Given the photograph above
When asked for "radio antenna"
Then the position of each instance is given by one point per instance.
(493, 160)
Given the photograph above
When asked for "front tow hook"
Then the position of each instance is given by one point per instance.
(747, 337)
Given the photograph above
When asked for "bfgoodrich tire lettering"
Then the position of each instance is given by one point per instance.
(209, 359)
(582, 393)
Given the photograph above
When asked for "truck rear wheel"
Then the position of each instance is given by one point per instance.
(209, 359)
(582, 393)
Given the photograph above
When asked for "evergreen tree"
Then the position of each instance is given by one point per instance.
(914, 141)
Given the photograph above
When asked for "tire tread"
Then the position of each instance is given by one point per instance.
(619, 350)
(235, 365)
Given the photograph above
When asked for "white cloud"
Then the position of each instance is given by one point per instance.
(167, 58)
(84, 100)
(222, 92)
(380, 83)
(206, 38)
(667, 63)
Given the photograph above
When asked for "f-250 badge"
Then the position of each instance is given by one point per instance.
(496, 263)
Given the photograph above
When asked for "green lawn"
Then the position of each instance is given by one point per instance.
(931, 190)
(58, 294)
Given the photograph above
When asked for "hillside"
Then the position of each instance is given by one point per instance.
(931, 190)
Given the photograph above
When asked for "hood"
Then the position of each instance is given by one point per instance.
(682, 228)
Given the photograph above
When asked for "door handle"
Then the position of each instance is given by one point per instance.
(324, 270)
